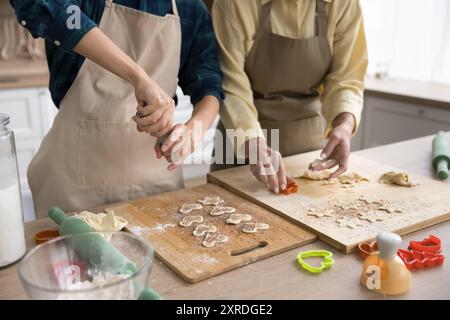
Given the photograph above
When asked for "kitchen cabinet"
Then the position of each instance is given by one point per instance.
(32, 112)
(397, 110)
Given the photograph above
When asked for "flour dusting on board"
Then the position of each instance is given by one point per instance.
(138, 230)
(160, 227)
(204, 259)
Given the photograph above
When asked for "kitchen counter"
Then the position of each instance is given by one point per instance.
(23, 74)
(419, 92)
(279, 277)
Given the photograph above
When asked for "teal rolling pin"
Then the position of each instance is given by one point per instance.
(94, 249)
(441, 155)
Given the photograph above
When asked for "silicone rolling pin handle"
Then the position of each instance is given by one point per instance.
(150, 294)
(388, 244)
(441, 155)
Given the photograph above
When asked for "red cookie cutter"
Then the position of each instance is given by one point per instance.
(418, 260)
(432, 244)
(365, 249)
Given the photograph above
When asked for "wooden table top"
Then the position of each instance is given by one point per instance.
(279, 277)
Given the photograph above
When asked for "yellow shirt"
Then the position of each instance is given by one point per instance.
(235, 23)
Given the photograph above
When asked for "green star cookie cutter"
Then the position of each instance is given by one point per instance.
(324, 265)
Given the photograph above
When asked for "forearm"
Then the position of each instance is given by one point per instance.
(96, 46)
(205, 111)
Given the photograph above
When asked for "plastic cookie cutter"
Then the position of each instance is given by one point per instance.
(366, 248)
(419, 260)
(325, 264)
(432, 244)
(291, 187)
(46, 235)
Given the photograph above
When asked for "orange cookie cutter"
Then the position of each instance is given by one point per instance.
(46, 235)
(291, 187)
(366, 248)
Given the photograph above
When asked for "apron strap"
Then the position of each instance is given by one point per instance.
(175, 8)
(321, 18)
(266, 24)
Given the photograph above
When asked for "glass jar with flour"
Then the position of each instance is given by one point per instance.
(12, 235)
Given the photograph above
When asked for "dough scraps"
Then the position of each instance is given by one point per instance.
(188, 207)
(351, 223)
(346, 180)
(210, 201)
(292, 187)
(351, 178)
(202, 229)
(317, 175)
(318, 163)
(371, 216)
(218, 211)
(188, 220)
(214, 239)
(252, 227)
(237, 218)
(103, 221)
(398, 178)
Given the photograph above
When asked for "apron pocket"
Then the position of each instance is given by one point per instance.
(113, 153)
(297, 136)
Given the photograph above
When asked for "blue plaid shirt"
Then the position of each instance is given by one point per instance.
(199, 73)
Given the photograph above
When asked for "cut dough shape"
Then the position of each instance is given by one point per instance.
(398, 178)
(212, 240)
(202, 229)
(319, 214)
(390, 209)
(369, 200)
(252, 227)
(237, 218)
(350, 206)
(188, 207)
(371, 216)
(210, 201)
(187, 221)
(352, 223)
(330, 181)
(218, 211)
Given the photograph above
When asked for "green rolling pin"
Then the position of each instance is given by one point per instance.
(94, 249)
(441, 155)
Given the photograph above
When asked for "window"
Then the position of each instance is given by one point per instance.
(409, 38)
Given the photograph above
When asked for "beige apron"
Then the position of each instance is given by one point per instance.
(93, 154)
(285, 74)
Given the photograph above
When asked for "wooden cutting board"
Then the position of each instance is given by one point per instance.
(156, 218)
(422, 206)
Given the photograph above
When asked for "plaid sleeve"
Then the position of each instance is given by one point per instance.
(60, 21)
(201, 75)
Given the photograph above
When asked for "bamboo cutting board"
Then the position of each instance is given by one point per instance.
(422, 206)
(156, 218)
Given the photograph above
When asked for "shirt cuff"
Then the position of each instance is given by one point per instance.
(207, 92)
(345, 103)
(65, 35)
